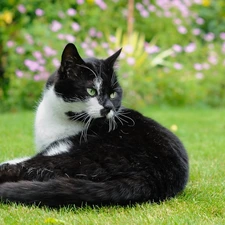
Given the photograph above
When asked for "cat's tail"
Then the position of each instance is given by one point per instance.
(65, 191)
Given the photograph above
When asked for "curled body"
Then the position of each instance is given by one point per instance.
(90, 148)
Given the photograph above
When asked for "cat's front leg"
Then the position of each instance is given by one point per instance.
(10, 172)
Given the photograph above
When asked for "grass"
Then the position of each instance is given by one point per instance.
(202, 202)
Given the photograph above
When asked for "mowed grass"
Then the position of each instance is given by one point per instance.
(202, 202)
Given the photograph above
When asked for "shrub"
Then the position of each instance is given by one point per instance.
(174, 56)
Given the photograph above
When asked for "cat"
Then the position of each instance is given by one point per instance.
(91, 149)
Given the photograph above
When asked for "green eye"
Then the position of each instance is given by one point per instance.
(113, 95)
(91, 91)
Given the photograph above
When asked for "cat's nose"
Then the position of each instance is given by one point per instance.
(108, 106)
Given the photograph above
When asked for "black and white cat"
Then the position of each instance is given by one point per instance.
(91, 149)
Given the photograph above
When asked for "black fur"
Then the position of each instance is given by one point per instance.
(138, 161)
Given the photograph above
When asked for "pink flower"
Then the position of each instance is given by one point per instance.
(10, 44)
(29, 39)
(80, 2)
(177, 66)
(209, 37)
(198, 66)
(32, 65)
(200, 21)
(75, 26)
(37, 55)
(190, 48)
(196, 31)
(39, 12)
(101, 4)
(49, 51)
(92, 32)
(21, 8)
(89, 52)
(177, 48)
(71, 12)
(182, 29)
(130, 60)
(70, 38)
(56, 62)
(222, 35)
(19, 73)
(55, 26)
(151, 49)
(20, 50)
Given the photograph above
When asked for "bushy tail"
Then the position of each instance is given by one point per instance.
(65, 191)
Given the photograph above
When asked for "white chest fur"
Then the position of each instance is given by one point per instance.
(51, 123)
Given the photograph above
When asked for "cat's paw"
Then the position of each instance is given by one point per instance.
(9, 172)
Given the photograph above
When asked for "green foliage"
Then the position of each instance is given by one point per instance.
(202, 202)
(174, 56)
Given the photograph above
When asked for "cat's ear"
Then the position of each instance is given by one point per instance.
(70, 53)
(70, 62)
(112, 59)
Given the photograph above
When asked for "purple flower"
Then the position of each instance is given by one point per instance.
(196, 31)
(190, 48)
(20, 50)
(21, 8)
(200, 21)
(19, 73)
(92, 32)
(71, 12)
(177, 48)
(151, 49)
(101, 4)
(39, 12)
(222, 36)
(10, 44)
(80, 2)
(144, 13)
(89, 52)
(32, 65)
(177, 66)
(213, 59)
(151, 8)
(182, 29)
(131, 60)
(198, 66)
(75, 26)
(49, 51)
(55, 26)
(29, 39)
(37, 55)
(209, 37)
(70, 38)
(56, 62)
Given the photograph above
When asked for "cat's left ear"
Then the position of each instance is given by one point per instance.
(112, 59)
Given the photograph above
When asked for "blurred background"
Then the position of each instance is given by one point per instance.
(173, 50)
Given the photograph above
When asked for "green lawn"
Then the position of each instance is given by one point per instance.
(202, 202)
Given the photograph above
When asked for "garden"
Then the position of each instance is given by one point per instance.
(171, 68)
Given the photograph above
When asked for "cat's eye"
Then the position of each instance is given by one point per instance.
(113, 95)
(91, 91)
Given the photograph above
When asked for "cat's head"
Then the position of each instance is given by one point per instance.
(87, 88)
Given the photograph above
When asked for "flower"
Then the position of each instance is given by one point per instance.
(19, 73)
(20, 50)
(10, 44)
(177, 66)
(182, 29)
(55, 26)
(39, 12)
(209, 37)
(174, 127)
(222, 35)
(49, 51)
(101, 4)
(198, 66)
(196, 31)
(131, 60)
(21, 8)
(71, 12)
(177, 48)
(200, 21)
(75, 26)
(190, 48)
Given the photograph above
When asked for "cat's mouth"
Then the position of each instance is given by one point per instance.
(83, 116)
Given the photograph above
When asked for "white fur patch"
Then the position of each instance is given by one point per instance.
(94, 108)
(98, 84)
(51, 123)
(58, 149)
(110, 114)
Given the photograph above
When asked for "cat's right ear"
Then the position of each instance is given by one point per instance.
(70, 58)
